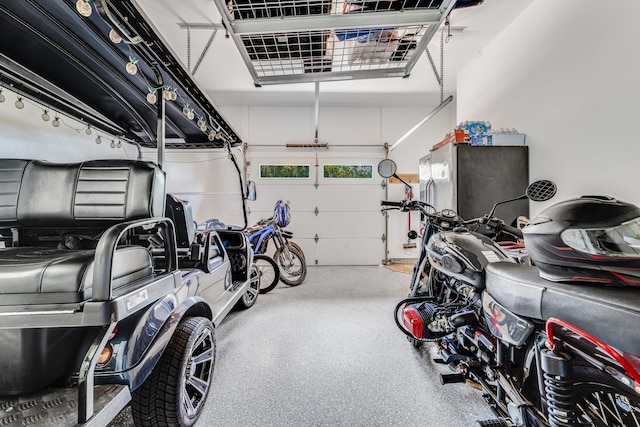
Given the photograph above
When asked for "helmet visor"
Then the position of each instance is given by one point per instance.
(619, 241)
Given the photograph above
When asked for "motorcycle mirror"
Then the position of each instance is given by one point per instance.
(251, 191)
(412, 234)
(541, 190)
(387, 168)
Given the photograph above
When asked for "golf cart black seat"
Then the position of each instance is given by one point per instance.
(179, 211)
(189, 241)
(49, 209)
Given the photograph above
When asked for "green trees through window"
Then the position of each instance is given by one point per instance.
(328, 171)
(348, 171)
(284, 171)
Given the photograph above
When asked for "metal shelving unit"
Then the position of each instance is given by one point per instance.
(296, 41)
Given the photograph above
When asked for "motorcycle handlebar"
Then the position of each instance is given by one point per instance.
(454, 221)
(511, 230)
(499, 226)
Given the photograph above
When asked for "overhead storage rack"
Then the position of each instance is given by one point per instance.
(296, 41)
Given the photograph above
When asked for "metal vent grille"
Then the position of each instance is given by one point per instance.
(318, 40)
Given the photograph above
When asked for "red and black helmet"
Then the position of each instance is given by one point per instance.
(588, 239)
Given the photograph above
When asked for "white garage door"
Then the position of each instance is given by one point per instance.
(337, 221)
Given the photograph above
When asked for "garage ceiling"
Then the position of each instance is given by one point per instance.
(222, 72)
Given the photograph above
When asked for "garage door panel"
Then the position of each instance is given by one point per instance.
(349, 224)
(300, 195)
(299, 225)
(349, 252)
(331, 251)
(326, 198)
(306, 197)
(303, 224)
(341, 198)
(333, 224)
(354, 224)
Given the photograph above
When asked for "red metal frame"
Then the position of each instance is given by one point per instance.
(629, 369)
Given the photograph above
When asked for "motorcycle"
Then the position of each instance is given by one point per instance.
(543, 351)
(484, 239)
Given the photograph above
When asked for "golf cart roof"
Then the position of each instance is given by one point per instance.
(67, 62)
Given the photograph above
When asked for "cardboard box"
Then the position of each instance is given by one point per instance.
(458, 136)
(461, 136)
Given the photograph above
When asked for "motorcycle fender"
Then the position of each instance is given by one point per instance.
(503, 324)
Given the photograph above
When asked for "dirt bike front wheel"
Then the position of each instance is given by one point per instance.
(296, 247)
(293, 268)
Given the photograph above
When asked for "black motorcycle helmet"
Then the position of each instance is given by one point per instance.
(588, 239)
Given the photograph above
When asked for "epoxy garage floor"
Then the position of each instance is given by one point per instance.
(327, 353)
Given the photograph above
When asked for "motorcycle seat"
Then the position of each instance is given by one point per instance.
(603, 311)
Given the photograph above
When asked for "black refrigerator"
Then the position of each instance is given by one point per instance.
(471, 179)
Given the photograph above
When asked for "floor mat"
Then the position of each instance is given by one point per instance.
(400, 267)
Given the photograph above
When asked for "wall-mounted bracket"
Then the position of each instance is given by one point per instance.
(195, 26)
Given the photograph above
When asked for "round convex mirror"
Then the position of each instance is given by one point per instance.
(387, 168)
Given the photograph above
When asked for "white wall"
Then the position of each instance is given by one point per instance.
(566, 74)
(23, 134)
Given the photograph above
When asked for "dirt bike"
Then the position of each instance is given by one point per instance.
(544, 353)
(288, 255)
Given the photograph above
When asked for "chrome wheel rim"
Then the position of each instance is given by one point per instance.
(610, 409)
(254, 286)
(198, 372)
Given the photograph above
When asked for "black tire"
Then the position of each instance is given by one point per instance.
(415, 343)
(269, 272)
(175, 392)
(293, 271)
(249, 298)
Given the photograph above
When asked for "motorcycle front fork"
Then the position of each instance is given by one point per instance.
(281, 244)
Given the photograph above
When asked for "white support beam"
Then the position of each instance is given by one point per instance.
(422, 122)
